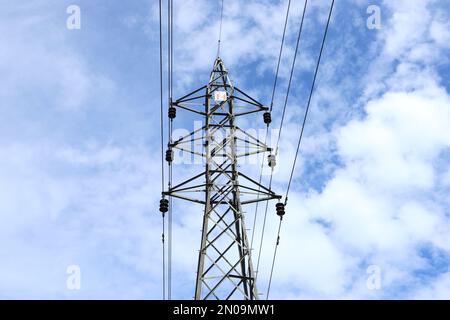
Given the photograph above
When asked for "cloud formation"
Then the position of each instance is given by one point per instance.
(79, 161)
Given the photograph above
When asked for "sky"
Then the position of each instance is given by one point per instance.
(368, 213)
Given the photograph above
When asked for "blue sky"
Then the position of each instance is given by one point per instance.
(79, 152)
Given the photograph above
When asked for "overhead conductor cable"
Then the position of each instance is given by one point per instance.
(162, 206)
(281, 124)
(299, 140)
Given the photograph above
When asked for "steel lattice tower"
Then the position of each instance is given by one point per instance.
(225, 269)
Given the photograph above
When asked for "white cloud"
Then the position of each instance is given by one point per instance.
(439, 290)
(63, 206)
(49, 65)
(440, 33)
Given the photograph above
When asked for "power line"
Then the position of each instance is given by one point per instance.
(170, 46)
(279, 55)
(309, 101)
(299, 141)
(170, 94)
(274, 257)
(162, 145)
(171, 49)
(290, 76)
(169, 253)
(161, 94)
(271, 107)
(255, 216)
(281, 125)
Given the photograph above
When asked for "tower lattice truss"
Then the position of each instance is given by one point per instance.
(225, 269)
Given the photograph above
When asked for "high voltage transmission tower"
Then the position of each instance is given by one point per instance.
(225, 268)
